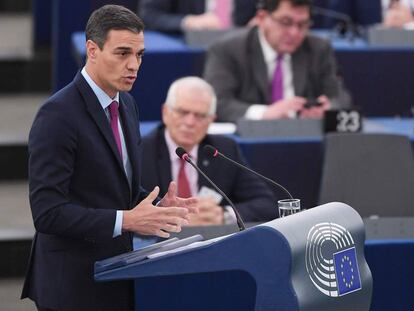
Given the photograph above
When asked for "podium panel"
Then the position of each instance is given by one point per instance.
(313, 260)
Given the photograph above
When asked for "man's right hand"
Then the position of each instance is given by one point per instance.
(284, 108)
(148, 219)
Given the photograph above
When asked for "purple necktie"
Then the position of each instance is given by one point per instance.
(277, 82)
(114, 115)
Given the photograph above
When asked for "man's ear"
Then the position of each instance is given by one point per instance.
(260, 15)
(91, 50)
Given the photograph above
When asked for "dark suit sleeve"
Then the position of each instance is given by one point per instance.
(328, 76)
(52, 154)
(223, 72)
(159, 15)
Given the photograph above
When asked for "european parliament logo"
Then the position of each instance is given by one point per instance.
(347, 271)
(331, 260)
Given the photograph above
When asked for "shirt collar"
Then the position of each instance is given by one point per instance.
(172, 146)
(268, 52)
(103, 98)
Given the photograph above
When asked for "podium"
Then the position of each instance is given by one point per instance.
(313, 260)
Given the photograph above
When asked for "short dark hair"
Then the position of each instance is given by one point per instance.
(272, 5)
(111, 17)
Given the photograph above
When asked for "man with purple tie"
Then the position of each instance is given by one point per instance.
(275, 70)
(85, 176)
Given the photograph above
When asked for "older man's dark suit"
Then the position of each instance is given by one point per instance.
(252, 198)
(167, 15)
(237, 70)
(77, 182)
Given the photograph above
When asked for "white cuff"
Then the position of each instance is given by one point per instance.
(255, 112)
(118, 224)
(229, 216)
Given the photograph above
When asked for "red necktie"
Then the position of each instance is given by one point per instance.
(183, 185)
(277, 82)
(114, 115)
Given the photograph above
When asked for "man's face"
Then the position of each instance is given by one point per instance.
(188, 121)
(115, 67)
(286, 27)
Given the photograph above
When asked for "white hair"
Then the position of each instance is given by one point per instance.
(194, 83)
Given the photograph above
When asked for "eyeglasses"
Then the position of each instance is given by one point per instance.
(288, 23)
(182, 113)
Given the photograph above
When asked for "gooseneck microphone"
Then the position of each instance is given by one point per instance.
(348, 24)
(213, 152)
(182, 154)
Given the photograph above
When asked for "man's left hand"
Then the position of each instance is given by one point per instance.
(318, 111)
(171, 199)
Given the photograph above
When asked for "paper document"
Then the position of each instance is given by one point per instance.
(187, 247)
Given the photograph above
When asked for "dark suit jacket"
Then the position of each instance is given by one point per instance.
(237, 70)
(252, 197)
(166, 15)
(77, 182)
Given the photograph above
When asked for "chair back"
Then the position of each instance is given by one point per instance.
(374, 173)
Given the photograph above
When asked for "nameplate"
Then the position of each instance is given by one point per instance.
(343, 121)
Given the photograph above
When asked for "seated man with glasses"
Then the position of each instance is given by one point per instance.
(271, 71)
(187, 113)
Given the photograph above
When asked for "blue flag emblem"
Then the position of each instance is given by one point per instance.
(347, 271)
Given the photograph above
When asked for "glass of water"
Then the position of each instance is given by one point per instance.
(288, 207)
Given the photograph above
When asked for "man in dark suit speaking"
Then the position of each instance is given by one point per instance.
(187, 113)
(85, 178)
(273, 70)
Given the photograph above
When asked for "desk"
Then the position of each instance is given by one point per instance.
(378, 78)
(297, 163)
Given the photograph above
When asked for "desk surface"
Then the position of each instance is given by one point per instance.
(401, 126)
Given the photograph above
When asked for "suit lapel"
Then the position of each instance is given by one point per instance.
(163, 168)
(259, 68)
(98, 116)
(130, 129)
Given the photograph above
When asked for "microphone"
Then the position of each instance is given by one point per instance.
(213, 152)
(346, 20)
(182, 154)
